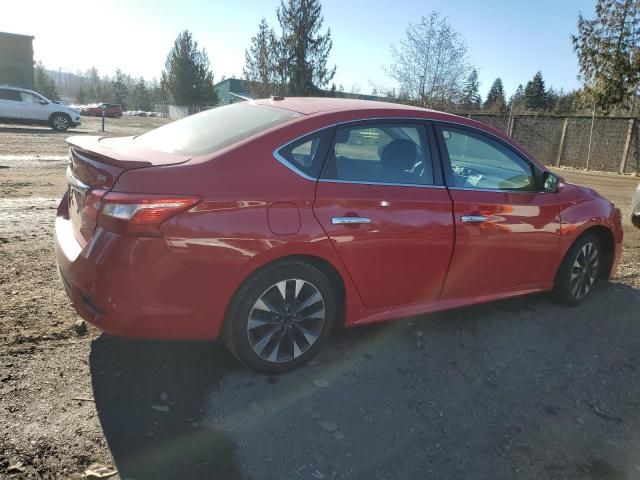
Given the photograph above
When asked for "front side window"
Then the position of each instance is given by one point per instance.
(478, 161)
(28, 98)
(215, 129)
(381, 153)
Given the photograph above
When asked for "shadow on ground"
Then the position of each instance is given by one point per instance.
(151, 398)
(522, 388)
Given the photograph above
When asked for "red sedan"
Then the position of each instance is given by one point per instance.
(270, 222)
(112, 110)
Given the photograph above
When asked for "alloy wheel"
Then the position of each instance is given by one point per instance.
(60, 122)
(584, 270)
(286, 320)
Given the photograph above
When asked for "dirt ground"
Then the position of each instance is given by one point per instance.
(522, 388)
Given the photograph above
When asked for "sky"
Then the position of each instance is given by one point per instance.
(507, 39)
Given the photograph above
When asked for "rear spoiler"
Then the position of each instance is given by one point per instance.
(122, 152)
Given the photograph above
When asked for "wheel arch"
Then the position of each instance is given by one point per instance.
(322, 264)
(59, 113)
(607, 245)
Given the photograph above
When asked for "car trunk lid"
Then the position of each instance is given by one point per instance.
(95, 163)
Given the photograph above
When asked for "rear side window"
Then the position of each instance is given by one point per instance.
(381, 153)
(306, 154)
(215, 129)
(13, 95)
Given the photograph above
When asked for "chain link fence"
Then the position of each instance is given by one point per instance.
(592, 143)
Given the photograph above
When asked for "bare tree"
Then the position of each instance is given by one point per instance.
(431, 63)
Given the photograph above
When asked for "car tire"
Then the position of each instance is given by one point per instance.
(280, 317)
(579, 272)
(60, 122)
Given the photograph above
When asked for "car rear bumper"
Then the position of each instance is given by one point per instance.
(135, 287)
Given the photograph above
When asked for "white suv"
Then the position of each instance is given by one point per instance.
(18, 105)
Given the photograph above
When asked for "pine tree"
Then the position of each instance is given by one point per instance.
(187, 75)
(471, 99)
(535, 94)
(608, 49)
(140, 98)
(304, 50)
(81, 96)
(119, 90)
(262, 63)
(495, 101)
(43, 83)
(517, 100)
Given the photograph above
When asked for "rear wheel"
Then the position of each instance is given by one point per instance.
(280, 317)
(60, 122)
(579, 272)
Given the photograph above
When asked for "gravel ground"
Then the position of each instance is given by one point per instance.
(522, 388)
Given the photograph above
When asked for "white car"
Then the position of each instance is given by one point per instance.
(18, 105)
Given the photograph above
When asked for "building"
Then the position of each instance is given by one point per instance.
(231, 90)
(16, 60)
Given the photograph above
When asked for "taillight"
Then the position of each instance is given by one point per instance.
(140, 214)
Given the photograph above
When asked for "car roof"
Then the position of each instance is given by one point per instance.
(10, 87)
(322, 105)
(312, 105)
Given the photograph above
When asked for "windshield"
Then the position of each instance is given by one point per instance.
(215, 129)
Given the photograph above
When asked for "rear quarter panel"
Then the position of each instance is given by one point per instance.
(215, 246)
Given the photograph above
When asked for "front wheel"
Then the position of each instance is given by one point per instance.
(60, 122)
(579, 272)
(280, 317)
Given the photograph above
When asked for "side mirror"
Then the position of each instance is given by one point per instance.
(550, 182)
(43, 102)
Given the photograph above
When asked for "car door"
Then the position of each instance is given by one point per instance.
(10, 103)
(507, 227)
(382, 202)
(33, 107)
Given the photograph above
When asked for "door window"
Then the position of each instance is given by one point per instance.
(381, 153)
(480, 162)
(28, 98)
(13, 95)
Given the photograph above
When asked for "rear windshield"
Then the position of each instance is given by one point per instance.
(214, 129)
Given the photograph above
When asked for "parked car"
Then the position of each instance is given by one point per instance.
(270, 222)
(635, 207)
(21, 106)
(112, 110)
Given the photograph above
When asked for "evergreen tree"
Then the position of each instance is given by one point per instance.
(304, 50)
(496, 101)
(141, 98)
(43, 83)
(81, 96)
(517, 100)
(535, 94)
(262, 63)
(187, 75)
(471, 99)
(608, 49)
(119, 90)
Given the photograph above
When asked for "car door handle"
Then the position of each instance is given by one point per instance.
(473, 218)
(349, 220)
